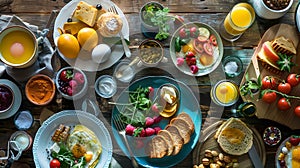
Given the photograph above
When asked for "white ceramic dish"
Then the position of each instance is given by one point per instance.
(42, 140)
(88, 64)
(17, 99)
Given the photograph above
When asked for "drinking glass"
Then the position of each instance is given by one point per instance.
(237, 21)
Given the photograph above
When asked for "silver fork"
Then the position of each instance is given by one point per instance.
(125, 46)
(120, 126)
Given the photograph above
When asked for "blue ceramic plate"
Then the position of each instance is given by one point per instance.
(188, 104)
(17, 100)
(42, 140)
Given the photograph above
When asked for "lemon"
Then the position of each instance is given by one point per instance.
(68, 45)
(87, 38)
(188, 47)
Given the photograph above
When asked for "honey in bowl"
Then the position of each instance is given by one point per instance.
(17, 46)
(225, 93)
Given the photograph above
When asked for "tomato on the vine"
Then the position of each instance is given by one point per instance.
(268, 82)
(284, 87)
(293, 79)
(283, 104)
(297, 111)
(54, 163)
(269, 97)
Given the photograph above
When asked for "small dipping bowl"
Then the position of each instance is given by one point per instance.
(272, 136)
(106, 86)
(23, 120)
(40, 89)
(151, 53)
(6, 99)
(21, 139)
(233, 66)
(225, 93)
(124, 72)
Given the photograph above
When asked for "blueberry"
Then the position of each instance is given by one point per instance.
(69, 20)
(98, 6)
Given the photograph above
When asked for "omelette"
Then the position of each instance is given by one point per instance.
(81, 141)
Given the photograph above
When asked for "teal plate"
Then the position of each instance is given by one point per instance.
(188, 104)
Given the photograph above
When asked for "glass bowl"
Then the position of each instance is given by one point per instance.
(233, 66)
(106, 86)
(225, 93)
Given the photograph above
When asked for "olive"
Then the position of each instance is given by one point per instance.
(69, 20)
(98, 6)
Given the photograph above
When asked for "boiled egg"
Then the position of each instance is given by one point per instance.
(101, 53)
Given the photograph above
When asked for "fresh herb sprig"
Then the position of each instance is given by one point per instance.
(285, 62)
(250, 86)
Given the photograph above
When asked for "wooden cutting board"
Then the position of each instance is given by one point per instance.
(270, 111)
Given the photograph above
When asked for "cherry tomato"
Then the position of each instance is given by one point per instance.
(54, 163)
(190, 54)
(297, 111)
(293, 79)
(182, 33)
(213, 40)
(283, 104)
(268, 82)
(284, 87)
(208, 48)
(269, 97)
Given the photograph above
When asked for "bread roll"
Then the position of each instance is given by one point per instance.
(109, 24)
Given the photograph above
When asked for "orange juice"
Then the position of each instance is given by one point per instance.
(239, 19)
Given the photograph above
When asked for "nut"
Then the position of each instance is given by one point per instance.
(195, 166)
(220, 163)
(215, 159)
(221, 156)
(227, 159)
(201, 166)
(208, 154)
(214, 153)
(205, 161)
(214, 165)
(235, 165)
(281, 156)
(229, 165)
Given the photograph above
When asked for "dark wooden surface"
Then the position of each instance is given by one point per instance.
(206, 11)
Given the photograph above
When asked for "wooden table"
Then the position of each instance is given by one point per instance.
(206, 11)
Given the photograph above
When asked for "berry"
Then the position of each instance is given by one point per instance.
(129, 129)
(149, 131)
(73, 84)
(70, 91)
(98, 6)
(149, 121)
(180, 61)
(157, 129)
(194, 69)
(79, 77)
(157, 119)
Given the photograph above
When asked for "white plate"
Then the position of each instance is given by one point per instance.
(88, 64)
(42, 140)
(17, 99)
(297, 17)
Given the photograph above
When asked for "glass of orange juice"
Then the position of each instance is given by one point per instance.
(224, 93)
(237, 21)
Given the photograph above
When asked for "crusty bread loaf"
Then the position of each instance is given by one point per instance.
(188, 119)
(109, 24)
(284, 46)
(169, 140)
(183, 128)
(235, 137)
(157, 147)
(177, 139)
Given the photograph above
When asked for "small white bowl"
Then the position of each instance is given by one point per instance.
(106, 86)
(80, 93)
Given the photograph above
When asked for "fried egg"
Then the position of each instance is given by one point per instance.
(82, 141)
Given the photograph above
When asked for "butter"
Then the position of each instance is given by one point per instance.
(86, 13)
(233, 135)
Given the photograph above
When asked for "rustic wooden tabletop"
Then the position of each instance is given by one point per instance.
(210, 12)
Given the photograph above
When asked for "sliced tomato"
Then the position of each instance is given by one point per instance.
(213, 40)
(198, 46)
(208, 48)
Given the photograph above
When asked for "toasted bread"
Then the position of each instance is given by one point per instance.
(183, 128)
(157, 147)
(235, 137)
(168, 138)
(177, 139)
(188, 119)
(284, 46)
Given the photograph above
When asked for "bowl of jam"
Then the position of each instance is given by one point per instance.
(6, 98)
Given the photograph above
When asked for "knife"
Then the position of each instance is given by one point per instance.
(255, 157)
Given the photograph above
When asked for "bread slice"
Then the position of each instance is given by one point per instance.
(284, 46)
(183, 128)
(157, 147)
(235, 138)
(188, 119)
(177, 139)
(168, 138)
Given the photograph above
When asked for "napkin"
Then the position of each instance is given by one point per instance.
(43, 63)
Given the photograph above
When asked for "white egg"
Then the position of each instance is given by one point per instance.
(101, 53)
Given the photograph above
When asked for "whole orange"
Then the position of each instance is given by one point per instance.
(68, 45)
(87, 38)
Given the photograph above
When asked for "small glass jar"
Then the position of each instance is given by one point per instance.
(22, 141)
(225, 93)
(233, 66)
(23, 120)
